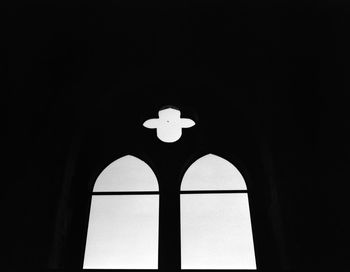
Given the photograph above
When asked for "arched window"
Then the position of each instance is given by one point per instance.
(216, 230)
(124, 214)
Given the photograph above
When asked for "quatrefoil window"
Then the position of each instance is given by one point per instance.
(169, 125)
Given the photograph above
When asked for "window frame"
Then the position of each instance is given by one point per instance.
(237, 162)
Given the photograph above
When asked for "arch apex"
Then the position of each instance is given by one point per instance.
(127, 173)
(212, 172)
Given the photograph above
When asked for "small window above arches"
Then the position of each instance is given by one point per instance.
(126, 174)
(212, 173)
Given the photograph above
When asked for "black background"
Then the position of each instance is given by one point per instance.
(267, 83)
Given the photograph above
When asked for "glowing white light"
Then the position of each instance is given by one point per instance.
(216, 232)
(211, 172)
(123, 229)
(169, 125)
(126, 174)
(123, 232)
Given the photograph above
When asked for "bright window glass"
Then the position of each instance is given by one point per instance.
(216, 230)
(126, 174)
(123, 232)
(212, 173)
(124, 216)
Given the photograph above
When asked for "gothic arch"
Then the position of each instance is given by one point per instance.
(123, 223)
(123, 175)
(216, 230)
(206, 168)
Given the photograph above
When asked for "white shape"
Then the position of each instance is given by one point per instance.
(123, 232)
(169, 125)
(216, 232)
(211, 172)
(126, 174)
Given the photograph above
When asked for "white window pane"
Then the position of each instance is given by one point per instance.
(126, 174)
(216, 232)
(212, 173)
(123, 232)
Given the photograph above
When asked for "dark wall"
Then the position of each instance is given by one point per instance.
(267, 84)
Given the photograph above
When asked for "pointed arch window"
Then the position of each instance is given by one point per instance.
(216, 229)
(124, 215)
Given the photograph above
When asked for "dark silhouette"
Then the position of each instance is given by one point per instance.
(266, 84)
